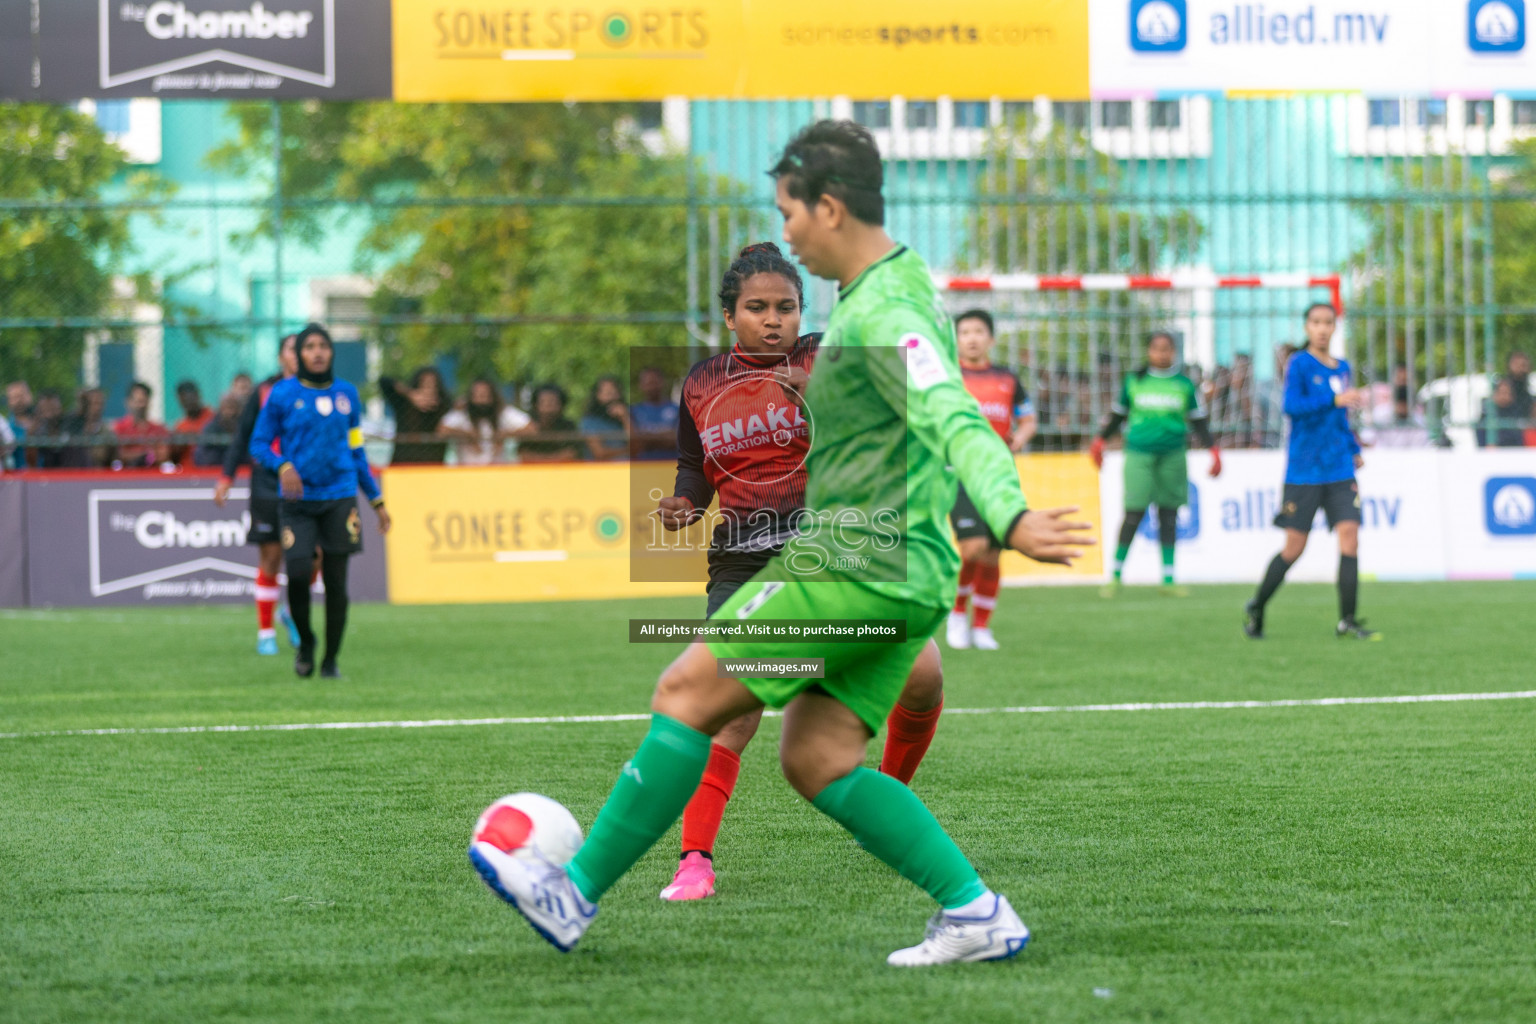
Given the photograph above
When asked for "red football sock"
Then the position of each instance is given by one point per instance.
(988, 580)
(907, 735)
(267, 596)
(967, 575)
(701, 818)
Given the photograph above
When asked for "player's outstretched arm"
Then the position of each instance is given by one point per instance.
(1050, 535)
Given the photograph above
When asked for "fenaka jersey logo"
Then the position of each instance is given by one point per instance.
(1159, 26)
(177, 43)
(1509, 506)
(559, 33)
(1496, 26)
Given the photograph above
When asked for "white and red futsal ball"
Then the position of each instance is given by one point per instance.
(525, 823)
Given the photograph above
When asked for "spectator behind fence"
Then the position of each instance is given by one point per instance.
(216, 433)
(86, 424)
(1518, 372)
(418, 408)
(47, 430)
(145, 446)
(1400, 427)
(195, 416)
(553, 437)
(481, 426)
(605, 424)
(653, 420)
(18, 414)
(1499, 425)
(242, 387)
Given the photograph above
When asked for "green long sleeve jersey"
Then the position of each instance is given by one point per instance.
(892, 425)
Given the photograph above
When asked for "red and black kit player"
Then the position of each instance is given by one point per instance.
(742, 436)
(264, 531)
(1006, 405)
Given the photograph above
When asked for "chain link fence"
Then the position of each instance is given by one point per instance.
(541, 243)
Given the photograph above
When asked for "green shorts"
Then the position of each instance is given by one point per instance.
(1156, 478)
(866, 677)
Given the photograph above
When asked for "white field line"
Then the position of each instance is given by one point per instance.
(1038, 709)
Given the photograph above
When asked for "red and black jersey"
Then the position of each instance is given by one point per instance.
(1000, 394)
(738, 436)
(263, 481)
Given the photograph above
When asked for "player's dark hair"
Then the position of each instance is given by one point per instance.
(185, 386)
(837, 159)
(1161, 334)
(1319, 305)
(977, 314)
(758, 258)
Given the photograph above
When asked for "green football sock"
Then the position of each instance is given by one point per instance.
(1120, 553)
(1168, 564)
(652, 791)
(891, 823)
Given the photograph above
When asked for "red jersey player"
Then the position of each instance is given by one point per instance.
(1006, 405)
(742, 435)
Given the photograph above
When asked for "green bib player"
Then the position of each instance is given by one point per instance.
(1160, 407)
(889, 417)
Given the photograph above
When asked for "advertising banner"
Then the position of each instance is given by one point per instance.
(240, 49)
(144, 540)
(1490, 513)
(1060, 480)
(1384, 47)
(13, 544)
(515, 533)
(482, 50)
(1227, 532)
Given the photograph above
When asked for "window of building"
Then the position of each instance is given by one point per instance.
(872, 113)
(1386, 113)
(1431, 113)
(1072, 115)
(1164, 114)
(971, 113)
(1523, 113)
(1115, 114)
(648, 116)
(922, 114)
(1479, 113)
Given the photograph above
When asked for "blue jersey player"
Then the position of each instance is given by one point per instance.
(316, 422)
(1319, 472)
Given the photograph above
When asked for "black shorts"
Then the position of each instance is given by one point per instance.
(967, 521)
(266, 526)
(728, 570)
(1340, 502)
(333, 526)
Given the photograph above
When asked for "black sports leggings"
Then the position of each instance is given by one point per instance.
(333, 570)
(1167, 525)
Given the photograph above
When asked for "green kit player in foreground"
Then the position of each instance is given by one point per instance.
(890, 415)
(1162, 406)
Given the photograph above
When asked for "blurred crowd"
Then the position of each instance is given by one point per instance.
(490, 423)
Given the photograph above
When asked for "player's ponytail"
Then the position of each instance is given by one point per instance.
(758, 258)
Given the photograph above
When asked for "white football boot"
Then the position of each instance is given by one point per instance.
(542, 892)
(959, 631)
(983, 640)
(952, 939)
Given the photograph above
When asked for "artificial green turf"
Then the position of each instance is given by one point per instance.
(1356, 863)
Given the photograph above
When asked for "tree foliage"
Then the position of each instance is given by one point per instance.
(57, 261)
(1421, 272)
(486, 212)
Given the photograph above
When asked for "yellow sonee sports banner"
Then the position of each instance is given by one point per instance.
(584, 531)
(489, 51)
